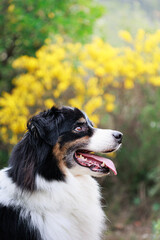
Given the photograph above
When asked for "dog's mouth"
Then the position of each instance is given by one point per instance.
(95, 162)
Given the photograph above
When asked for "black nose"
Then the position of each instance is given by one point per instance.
(118, 136)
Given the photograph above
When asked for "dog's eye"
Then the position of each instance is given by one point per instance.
(78, 129)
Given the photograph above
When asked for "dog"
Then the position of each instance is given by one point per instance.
(48, 191)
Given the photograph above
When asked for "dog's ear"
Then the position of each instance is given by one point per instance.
(33, 154)
(45, 126)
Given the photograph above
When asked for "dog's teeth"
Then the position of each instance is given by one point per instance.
(81, 157)
(103, 164)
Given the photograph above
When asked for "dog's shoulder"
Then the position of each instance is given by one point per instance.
(13, 226)
(71, 209)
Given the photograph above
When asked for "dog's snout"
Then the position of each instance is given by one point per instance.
(118, 136)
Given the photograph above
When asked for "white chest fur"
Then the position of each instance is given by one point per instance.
(68, 210)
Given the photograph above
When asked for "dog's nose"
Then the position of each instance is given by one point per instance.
(118, 136)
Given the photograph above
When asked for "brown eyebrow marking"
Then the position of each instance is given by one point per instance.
(81, 120)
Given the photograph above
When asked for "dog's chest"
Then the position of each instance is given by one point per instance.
(72, 211)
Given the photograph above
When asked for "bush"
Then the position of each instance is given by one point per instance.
(28, 23)
(156, 230)
(138, 117)
(86, 76)
(99, 79)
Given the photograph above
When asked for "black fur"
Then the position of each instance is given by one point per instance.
(33, 154)
(13, 227)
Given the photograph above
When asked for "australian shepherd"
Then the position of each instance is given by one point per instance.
(48, 191)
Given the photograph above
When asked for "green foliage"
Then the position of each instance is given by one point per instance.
(3, 158)
(25, 24)
(138, 117)
(149, 141)
(156, 230)
(156, 207)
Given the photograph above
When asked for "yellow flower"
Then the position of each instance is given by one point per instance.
(49, 103)
(74, 102)
(51, 15)
(93, 104)
(48, 41)
(155, 81)
(95, 119)
(13, 140)
(100, 71)
(129, 84)
(90, 64)
(79, 85)
(140, 35)
(26, 62)
(109, 97)
(92, 87)
(78, 75)
(56, 93)
(82, 71)
(110, 107)
(125, 35)
(11, 8)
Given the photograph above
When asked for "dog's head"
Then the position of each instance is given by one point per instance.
(61, 140)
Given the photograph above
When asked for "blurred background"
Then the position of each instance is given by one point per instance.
(103, 57)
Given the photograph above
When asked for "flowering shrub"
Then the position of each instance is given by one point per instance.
(74, 19)
(83, 76)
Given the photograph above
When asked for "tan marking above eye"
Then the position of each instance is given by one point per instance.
(81, 120)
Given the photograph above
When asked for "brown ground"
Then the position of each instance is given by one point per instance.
(119, 229)
(134, 231)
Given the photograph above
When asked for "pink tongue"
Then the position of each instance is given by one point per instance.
(107, 162)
